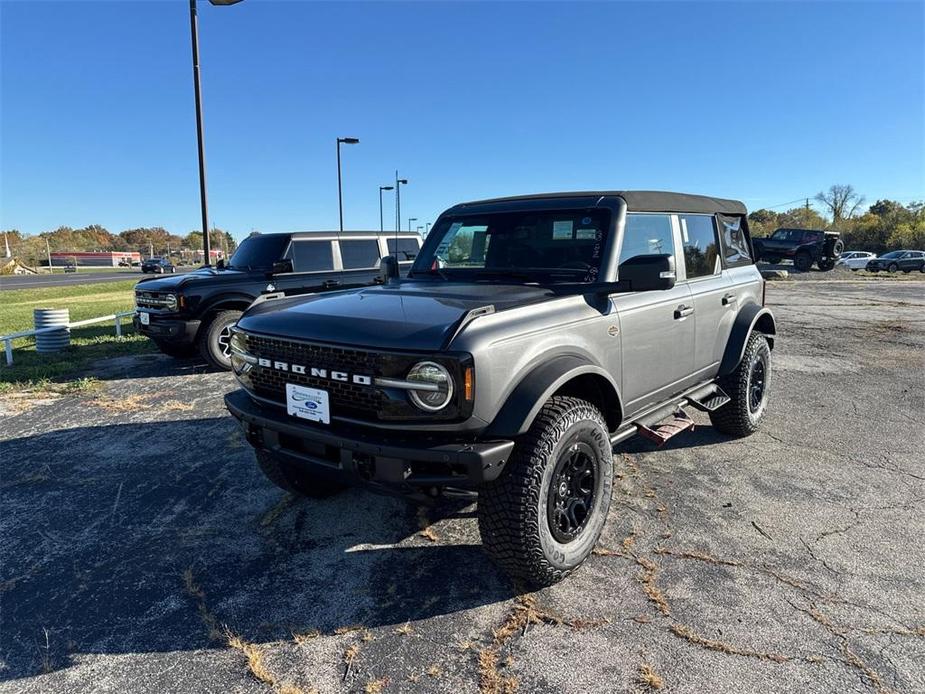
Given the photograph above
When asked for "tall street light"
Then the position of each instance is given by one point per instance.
(411, 219)
(340, 195)
(194, 35)
(427, 228)
(399, 182)
(381, 188)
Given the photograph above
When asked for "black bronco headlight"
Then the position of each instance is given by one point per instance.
(436, 389)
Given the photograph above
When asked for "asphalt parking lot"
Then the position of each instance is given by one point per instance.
(143, 551)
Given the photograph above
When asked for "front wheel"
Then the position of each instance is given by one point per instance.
(215, 339)
(747, 387)
(542, 517)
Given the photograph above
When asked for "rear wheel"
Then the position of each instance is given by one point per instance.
(747, 387)
(803, 261)
(291, 478)
(215, 339)
(826, 264)
(542, 517)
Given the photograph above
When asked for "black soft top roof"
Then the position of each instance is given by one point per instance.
(639, 201)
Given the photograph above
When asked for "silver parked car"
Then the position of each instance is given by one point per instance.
(530, 335)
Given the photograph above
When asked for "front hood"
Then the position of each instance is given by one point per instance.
(204, 275)
(420, 316)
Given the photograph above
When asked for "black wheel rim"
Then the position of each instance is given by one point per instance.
(224, 341)
(571, 492)
(757, 383)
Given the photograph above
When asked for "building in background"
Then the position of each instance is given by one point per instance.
(94, 258)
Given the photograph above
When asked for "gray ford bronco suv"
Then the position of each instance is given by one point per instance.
(530, 336)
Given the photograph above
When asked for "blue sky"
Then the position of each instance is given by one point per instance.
(764, 102)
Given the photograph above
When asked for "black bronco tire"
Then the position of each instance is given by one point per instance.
(542, 517)
(748, 388)
(214, 338)
(893, 267)
(288, 478)
(826, 264)
(773, 259)
(172, 349)
(803, 261)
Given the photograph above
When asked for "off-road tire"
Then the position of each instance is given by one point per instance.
(178, 351)
(513, 511)
(892, 267)
(826, 264)
(772, 260)
(803, 261)
(737, 417)
(291, 479)
(210, 335)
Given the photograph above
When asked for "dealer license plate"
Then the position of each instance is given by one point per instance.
(144, 318)
(308, 403)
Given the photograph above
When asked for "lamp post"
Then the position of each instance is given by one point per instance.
(340, 196)
(418, 229)
(411, 219)
(427, 228)
(381, 188)
(194, 36)
(399, 182)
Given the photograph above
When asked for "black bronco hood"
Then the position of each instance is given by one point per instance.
(412, 315)
(204, 275)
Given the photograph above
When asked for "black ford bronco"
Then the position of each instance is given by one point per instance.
(803, 246)
(195, 311)
(530, 336)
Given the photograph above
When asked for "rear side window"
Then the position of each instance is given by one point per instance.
(403, 248)
(311, 256)
(701, 253)
(733, 241)
(359, 254)
(647, 234)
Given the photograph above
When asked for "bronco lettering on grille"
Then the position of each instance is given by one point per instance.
(341, 376)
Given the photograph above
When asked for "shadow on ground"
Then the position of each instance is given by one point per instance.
(165, 549)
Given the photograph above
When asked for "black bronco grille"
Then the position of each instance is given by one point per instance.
(347, 398)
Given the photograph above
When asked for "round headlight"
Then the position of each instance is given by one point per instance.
(438, 386)
(171, 301)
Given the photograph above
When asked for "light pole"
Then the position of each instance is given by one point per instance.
(381, 188)
(194, 35)
(340, 196)
(411, 219)
(418, 229)
(427, 228)
(399, 182)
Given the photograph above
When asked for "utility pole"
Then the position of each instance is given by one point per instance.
(6, 243)
(48, 253)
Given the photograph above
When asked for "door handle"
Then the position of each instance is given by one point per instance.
(327, 284)
(729, 299)
(683, 311)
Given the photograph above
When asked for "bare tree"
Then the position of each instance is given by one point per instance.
(842, 201)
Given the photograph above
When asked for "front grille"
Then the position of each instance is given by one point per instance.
(349, 399)
(150, 299)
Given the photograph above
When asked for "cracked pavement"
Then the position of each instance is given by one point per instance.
(137, 534)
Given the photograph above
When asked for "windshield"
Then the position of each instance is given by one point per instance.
(259, 252)
(892, 254)
(547, 246)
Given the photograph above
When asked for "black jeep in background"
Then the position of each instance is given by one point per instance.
(195, 311)
(803, 246)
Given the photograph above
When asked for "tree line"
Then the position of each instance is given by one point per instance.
(31, 249)
(886, 225)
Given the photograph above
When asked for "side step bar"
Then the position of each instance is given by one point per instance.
(670, 419)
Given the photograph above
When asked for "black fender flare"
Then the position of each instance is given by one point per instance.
(226, 302)
(751, 317)
(528, 397)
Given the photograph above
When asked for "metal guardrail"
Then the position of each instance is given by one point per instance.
(8, 339)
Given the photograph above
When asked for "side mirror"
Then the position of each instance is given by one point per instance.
(646, 273)
(281, 267)
(388, 269)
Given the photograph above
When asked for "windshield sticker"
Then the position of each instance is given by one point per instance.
(562, 230)
(585, 234)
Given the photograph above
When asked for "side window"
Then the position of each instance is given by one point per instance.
(404, 249)
(359, 254)
(311, 256)
(646, 234)
(733, 241)
(700, 248)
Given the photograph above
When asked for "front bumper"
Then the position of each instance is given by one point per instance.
(173, 330)
(358, 458)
